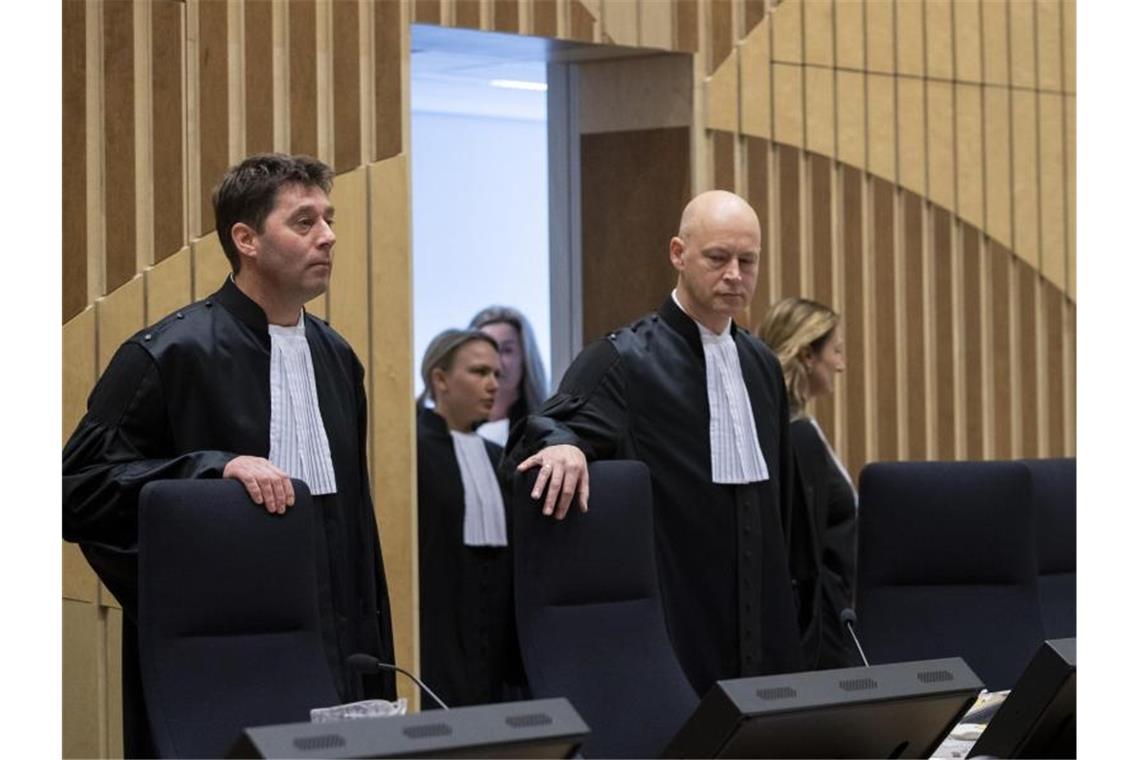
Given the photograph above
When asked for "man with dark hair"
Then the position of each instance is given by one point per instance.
(242, 385)
(703, 404)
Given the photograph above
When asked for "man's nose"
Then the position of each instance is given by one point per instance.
(732, 271)
(328, 236)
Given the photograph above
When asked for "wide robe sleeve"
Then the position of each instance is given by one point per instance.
(589, 411)
(122, 443)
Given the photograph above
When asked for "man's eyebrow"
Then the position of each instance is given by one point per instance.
(310, 208)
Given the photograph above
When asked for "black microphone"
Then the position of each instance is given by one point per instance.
(366, 662)
(847, 617)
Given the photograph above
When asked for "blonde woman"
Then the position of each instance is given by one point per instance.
(806, 337)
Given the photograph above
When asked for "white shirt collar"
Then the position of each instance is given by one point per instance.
(704, 331)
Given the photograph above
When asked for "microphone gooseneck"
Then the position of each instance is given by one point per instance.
(366, 662)
(848, 618)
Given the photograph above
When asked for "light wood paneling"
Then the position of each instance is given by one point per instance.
(211, 267)
(995, 42)
(213, 106)
(389, 383)
(1069, 43)
(259, 106)
(1051, 152)
(426, 11)
(880, 42)
(910, 23)
(1050, 72)
(545, 15)
(118, 316)
(998, 165)
(756, 77)
(788, 104)
(723, 160)
(788, 161)
(1000, 261)
(1026, 242)
(640, 93)
(851, 104)
(507, 16)
(168, 286)
(971, 185)
(389, 82)
(916, 346)
(754, 11)
(940, 143)
(656, 25)
(84, 733)
(819, 30)
(1022, 41)
(722, 92)
(943, 253)
(788, 32)
(686, 24)
(967, 40)
(757, 194)
(582, 23)
(881, 122)
(849, 35)
(114, 683)
(1027, 387)
(303, 77)
(73, 175)
(1054, 339)
(1071, 195)
(79, 374)
(939, 39)
(169, 131)
(348, 289)
(819, 118)
(912, 135)
(855, 419)
(621, 18)
(973, 375)
(882, 238)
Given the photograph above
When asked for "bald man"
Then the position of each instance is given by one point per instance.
(703, 403)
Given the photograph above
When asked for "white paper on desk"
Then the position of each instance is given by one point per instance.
(368, 708)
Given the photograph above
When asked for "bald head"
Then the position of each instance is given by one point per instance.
(716, 254)
(715, 209)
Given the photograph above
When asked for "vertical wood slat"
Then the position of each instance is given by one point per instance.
(581, 22)
(213, 106)
(720, 26)
(757, 192)
(74, 158)
(119, 141)
(789, 168)
(426, 11)
(168, 119)
(168, 286)
(972, 343)
(943, 253)
(916, 346)
(259, 100)
(303, 77)
(83, 708)
(1054, 360)
(724, 160)
(346, 85)
(507, 16)
(855, 421)
(1027, 287)
(348, 310)
(79, 374)
(466, 14)
(883, 261)
(687, 25)
(1000, 260)
(821, 270)
(389, 81)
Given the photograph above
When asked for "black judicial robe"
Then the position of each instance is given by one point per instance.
(468, 643)
(182, 398)
(822, 546)
(641, 393)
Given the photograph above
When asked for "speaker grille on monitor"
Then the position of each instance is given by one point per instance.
(778, 692)
(427, 730)
(528, 721)
(317, 743)
(858, 684)
(935, 676)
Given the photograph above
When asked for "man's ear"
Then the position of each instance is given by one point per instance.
(245, 239)
(676, 253)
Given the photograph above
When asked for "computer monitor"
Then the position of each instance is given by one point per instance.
(884, 711)
(1039, 717)
(541, 728)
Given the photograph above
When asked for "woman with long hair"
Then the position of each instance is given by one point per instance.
(522, 386)
(806, 337)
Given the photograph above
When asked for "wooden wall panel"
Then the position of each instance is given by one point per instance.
(582, 23)
(881, 120)
(939, 35)
(851, 105)
(303, 77)
(1054, 370)
(688, 35)
(912, 135)
(1026, 242)
(629, 231)
(390, 386)
(389, 81)
(467, 16)
(1027, 385)
(942, 255)
(940, 143)
(210, 265)
(426, 11)
(757, 194)
(113, 649)
(788, 103)
(882, 252)
(756, 76)
(998, 164)
(213, 106)
(119, 141)
(995, 42)
(620, 19)
(73, 174)
(972, 346)
(348, 289)
(819, 212)
(168, 286)
(259, 106)
(856, 417)
(910, 25)
(1051, 153)
(881, 38)
(916, 346)
(1023, 45)
(720, 31)
(1000, 261)
(724, 160)
(819, 117)
(790, 253)
(1069, 44)
(1070, 146)
(84, 735)
(819, 33)
(970, 183)
(967, 40)
(754, 11)
(169, 127)
(118, 316)
(79, 375)
(1050, 73)
(849, 35)
(346, 85)
(656, 25)
(507, 16)
(788, 32)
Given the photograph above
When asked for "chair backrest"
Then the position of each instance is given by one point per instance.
(1054, 495)
(591, 624)
(229, 627)
(948, 566)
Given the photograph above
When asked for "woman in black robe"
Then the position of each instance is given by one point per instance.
(468, 644)
(805, 335)
(522, 383)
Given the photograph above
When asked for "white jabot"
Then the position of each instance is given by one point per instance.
(835, 459)
(298, 443)
(736, 454)
(496, 432)
(484, 521)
